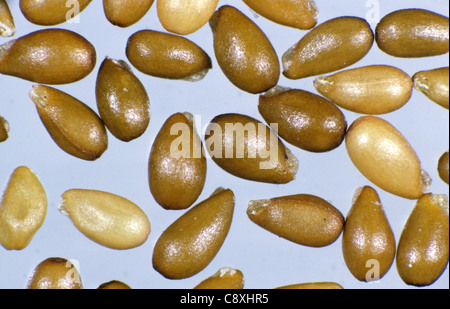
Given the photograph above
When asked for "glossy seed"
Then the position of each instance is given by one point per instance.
(331, 46)
(372, 90)
(168, 56)
(55, 274)
(185, 17)
(243, 51)
(7, 25)
(383, 155)
(52, 12)
(125, 13)
(312, 286)
(177, 166)
(300, 14)
(122, 100)
(443, 167)
(189, 244)
(368, 243)
(413, 33)
(304, 119)
(303, 218)
(247, 148)
(422, 253)
(114, 285)
(107, 219)
(225, 278)
(4, 129)
(73, 125)
(23, 209)
(434, 84)
(51, 56)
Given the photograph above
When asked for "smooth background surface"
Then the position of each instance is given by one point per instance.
(266, 260)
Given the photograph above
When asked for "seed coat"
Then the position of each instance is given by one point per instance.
(225, 278)
(125, 13)
(51, 12)
(55, 274)
(434, 84)
(7, 25)
(4, 129)
(443, 167)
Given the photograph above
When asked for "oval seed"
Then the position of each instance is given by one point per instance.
(189, 244)
(373, 90)
(4, 129)
(413, 33)
(247, 148)
(304, 219)
(55, 274)
(107, 219)
(383, 155)
(304, 119)
(52, 56)
(122, 100)
(313, 286)
(301, 14)
(368, 243)
(185, 17)
(177, 166)
(225, 278)
(23, 209)
(434, 84)
(243, 51)
(7, 25)
(443, 167)
(331, 46)
(422, 253)
(124, 13)
(167, 56)
(114, 285)
(51, 12)
(73, 125)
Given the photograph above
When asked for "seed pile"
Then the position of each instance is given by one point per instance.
(177, 166)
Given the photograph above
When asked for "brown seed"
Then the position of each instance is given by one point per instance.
(73, 125)
(331, 46)
(51, 56)
(313, 286)
(301, 14)
(304, 119)
(225, 278)
(4, 129)
(122, 100)
(177, 166)
(114, 285)
(51, 12)
(7, 26)
(55, 274)
(124, 13)
(368, 243)
(304, 219)
(434, 84)
(413, 33)
(422, 253)
(443, 167)
(373, 90)
(243, 51)
(23, 209)
(383, 155)
(167, 56)
(189, 244)
(247, 148)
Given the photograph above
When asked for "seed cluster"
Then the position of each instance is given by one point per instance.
(247, 147)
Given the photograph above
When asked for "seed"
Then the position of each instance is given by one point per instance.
(422, 253)
(122, 100)
(107, 219)
(189, 244)
(443, 167)
(373, 90)
(247, 148)
(301, 14)
(167, 56)
(185, 17)
(243, 51)
(55, 274)
(114, 285)
(384, 156)
(331, 46)
(51, 56)
(124, 13)
(177, 176)
(4, 129)
(313, 286)
(73, 125)
(434, 84)
(304, 119)
(368, 237)
(7, 26)
(225, 278)
(413, 33)
(51, 12)
(23, 209)
(304, 219)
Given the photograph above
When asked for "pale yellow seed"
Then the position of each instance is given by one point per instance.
(55, 274)
(225, 278)
(7, 25)
(434, 84)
